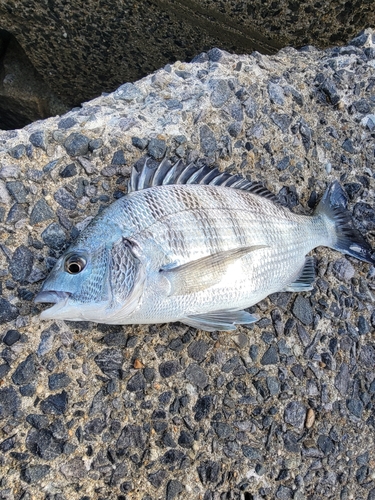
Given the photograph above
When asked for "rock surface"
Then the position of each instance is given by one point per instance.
(283, 409)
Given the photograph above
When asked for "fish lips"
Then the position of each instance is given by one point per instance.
(58, 298)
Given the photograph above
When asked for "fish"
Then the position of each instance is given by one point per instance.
(192, 244)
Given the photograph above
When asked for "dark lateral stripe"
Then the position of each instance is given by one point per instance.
(208, 226)
(237, 227)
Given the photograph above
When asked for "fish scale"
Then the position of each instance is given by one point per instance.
(178, 249)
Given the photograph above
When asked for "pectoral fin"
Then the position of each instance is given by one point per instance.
(203, 273)
(219, 320)
(305, 279)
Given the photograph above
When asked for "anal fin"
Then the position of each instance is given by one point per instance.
(219, 320)
(305, 279)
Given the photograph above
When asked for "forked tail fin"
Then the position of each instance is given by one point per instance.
(348, 239)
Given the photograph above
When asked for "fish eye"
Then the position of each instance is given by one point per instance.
(75, 264)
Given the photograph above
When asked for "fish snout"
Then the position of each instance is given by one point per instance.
(51, 297)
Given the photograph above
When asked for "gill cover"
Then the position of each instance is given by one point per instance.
(126, 276)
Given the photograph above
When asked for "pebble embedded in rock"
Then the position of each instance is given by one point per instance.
(25, 371)
(8, 312)
(302, 310)
(343, 269)
(34, 473)
(136, 383)
(69, 171)
(21, 264)
(140, 143)
(10, 402)
(110, 362)
(325, 444)
(65, 199)
(156, 148)
(55, 404)
(128, 92)
(252, 453)
(208, 471)
(284, 493)
(283, 121)
(54, 236)
(18, 151)
(174, 488)
(348, 146)
(118, 158)
(196, 375)
(355, 406)
(157, 478)
(58, 381)
(38, 139)
(11, 337)
(283, 164)
(4, 370)
(17, 190)
(220, 93)
(41, 212)
(66, 123)
(202, 407)
(270, 357)
(169, 368)
(16, 213)
(295, 414)
(276, 93)
(76, 144)
(197, 350)
(207, 140)
(132, 436)
(185, 439)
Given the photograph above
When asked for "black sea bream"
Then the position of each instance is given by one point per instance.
(193, 245)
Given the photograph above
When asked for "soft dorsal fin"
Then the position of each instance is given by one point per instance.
(145, 175)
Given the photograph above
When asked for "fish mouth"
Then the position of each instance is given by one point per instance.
(59, 299)
(51, 297)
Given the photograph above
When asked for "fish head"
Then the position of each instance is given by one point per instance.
(92, 281)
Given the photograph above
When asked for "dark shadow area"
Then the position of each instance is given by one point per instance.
(24, 96)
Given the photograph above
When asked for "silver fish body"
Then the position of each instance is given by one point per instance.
(196, 253)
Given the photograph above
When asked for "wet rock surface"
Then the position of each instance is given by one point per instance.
(281, 409)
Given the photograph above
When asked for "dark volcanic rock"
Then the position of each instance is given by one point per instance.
(11, 337)
(76, 144)
(302, 310)
(55, 404)
(132, 436)
(34, 473)
(26, 371)
(110, 362)
(54, 236)
(21, 263)
(174, 488)
(169, 368)
(9, 402)
(41, 212)
(136, 383)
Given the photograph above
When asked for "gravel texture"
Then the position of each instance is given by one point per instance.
(282, 409)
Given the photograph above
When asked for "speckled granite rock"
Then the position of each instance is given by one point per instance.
(284, 409)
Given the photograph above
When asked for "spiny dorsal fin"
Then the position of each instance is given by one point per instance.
(145, 175)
